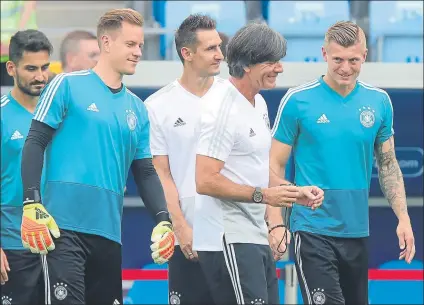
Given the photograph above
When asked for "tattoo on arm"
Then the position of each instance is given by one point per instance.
(390, 177)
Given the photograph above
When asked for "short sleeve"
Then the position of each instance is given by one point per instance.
(53, 102)
(386, 128)
(218, 127)
(158, 145)
(286, 126)
(143, 145)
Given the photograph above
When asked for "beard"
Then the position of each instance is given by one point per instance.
(26, 88)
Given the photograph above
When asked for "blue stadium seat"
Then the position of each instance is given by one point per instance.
(230, 16)
(396, 30)
(304, 23)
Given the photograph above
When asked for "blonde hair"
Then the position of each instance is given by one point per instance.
(113, 19)
(346, 34)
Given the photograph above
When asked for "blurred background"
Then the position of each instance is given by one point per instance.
(394, 32)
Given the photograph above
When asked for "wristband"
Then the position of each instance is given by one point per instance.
(276, 226)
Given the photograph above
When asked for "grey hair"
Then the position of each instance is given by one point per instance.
(254, 43)
(346, 34)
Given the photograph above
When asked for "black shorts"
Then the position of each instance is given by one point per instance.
(241, 274)
(332, 270)
(26, 282)
(187, 283)
(84, 269)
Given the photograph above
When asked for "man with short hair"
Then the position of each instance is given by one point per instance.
(79, 51)
(230, 233)
(101, 130)
(174, 113)
(29, 60)
(333, 125)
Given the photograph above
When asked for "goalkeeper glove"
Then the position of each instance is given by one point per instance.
(36, 226)
(163, 239)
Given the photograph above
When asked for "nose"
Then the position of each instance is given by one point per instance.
(138, 52)
(219, 55)
(41, 75)
(278, 68)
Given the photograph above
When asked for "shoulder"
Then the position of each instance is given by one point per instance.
(157, 99)
(72, 78)
(4, 102)
(136, 101)
(374, 92)
(305, 90)
(221, 98)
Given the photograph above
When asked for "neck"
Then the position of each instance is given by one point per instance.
(342, 90)
(195, 83)
(107, 74)
(27, 101)
(245, 88)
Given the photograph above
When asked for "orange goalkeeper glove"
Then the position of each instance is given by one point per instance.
(163, 239)
(37, 224)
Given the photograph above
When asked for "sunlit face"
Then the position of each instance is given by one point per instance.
(344, 64)
(31, 72)
(86, 57)
(124, 47)
(207, 56)
(264, 75)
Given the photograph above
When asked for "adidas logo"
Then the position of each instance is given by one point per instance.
(39, 214)
(93, 107)
(116, 302)
(16, 135)
(252, 133)
(179, 122)
(323, 119)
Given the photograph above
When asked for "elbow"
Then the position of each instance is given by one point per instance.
(201, 186)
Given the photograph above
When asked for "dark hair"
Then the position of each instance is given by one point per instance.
(30, 41)
(253, 44)
(224, 39)
(186, 36)
(71, 43)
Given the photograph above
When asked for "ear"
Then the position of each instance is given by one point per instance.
(247, 69)
(105, 42)
(187, 54)
(11, 68)
(324, 54)
(365, 55)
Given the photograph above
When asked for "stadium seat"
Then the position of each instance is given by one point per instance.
(304, 23)
(230, 16)
(396, 30)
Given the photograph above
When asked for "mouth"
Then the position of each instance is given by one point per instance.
(133, 61)
(39, 86)
(344, 76)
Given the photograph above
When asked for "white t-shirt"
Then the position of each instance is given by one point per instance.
(236, 132)
(174, 115)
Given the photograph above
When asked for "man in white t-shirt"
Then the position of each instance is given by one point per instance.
(230, 232)
(174, 113)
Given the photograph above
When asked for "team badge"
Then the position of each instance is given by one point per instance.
(174, 298)
(266, 119)
(257, 302)
(367, 116)
(318, 296)
(131, 119)
(5, 300)
(60, 291)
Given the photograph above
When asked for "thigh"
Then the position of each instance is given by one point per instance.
(25, 284)
(271, 278)
(218, 279)
(317, 267)
(354, 270)
(248, 268)
(187, 283)
(103, 276)
(64, 270)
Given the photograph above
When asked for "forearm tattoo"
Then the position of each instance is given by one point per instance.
(390, 177)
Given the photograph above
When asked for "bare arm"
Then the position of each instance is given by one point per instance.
(210, 181)
(391, 179)
(161, 164)
(29, 7)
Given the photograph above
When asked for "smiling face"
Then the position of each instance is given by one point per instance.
(263, 76)
(344, 63)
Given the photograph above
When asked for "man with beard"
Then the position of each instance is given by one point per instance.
(21, 271)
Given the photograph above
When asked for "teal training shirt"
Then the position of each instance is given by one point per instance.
(333, 139)
(15, 124)
(98, 135)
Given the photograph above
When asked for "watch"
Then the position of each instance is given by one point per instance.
(257, 195)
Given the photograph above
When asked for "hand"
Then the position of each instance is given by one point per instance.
(4, 268)
(281, 196)
(163, 239)
(277, 241)
(406, 236)
(310, 196)
(185, 238)
(37, 224)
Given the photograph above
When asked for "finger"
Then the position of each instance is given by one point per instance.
(409, 246)
(185, 251)
(39, 240)
(24, 239)
(288, 237)
(32, 243)
(412, 254)
(6, 263)
(401, 237)
(195, 255)
(48, 240)
(308, 194)
(289, 188)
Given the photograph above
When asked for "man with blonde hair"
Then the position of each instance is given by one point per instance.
(334, 125)
(101, 130)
